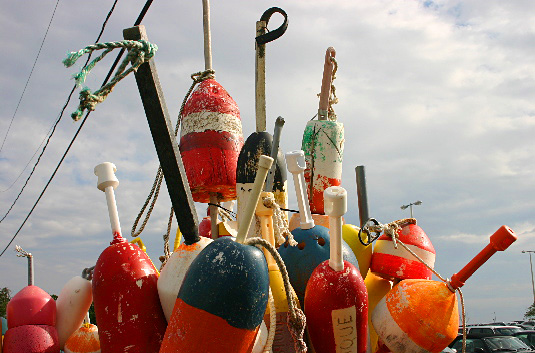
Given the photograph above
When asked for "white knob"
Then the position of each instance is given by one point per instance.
(295, 161)
(335, 201)
(106, 176)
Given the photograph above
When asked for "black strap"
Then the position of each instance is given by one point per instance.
(272, 35)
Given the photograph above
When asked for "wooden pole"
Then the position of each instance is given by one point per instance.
(260, 79)
(164, 139)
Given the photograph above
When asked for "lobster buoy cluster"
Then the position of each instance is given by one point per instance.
(31, 318)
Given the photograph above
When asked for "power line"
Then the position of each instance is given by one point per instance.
(28, 80)
(138, 21)
(53, 129)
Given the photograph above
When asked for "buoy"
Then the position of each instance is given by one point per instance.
(283, 342)
(211, 136)
(84, 340)
(363, 253)
(420, 315)
(336, 300)
(127, 306)
(174, 271)
(31, 339)
(377, 288)
(313, 240)
(260, 142)
(222, 301)
(323, 143)
(72, 305)
(31, 306)
(261, 339)
(391, 263)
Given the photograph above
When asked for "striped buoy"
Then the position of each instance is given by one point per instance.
(210, 141)
(377, 288)
(84, 340)
(391, 263)
(422, 316)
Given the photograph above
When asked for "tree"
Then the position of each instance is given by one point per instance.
(530, 314)
(5, 297)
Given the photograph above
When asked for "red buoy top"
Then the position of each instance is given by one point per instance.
(31, 306)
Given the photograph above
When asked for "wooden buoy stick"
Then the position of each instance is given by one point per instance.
(107, 182)
(499, 241)
(362, 195)
(279, 123)
(328, 67)
(264, 163)
(295, 161)
(335, 198)
(164, 139)
(207, 35)
(214, 212)
(260, 79)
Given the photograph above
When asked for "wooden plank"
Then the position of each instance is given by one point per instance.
(164, 139)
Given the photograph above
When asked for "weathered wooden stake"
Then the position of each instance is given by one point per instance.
(165, 142)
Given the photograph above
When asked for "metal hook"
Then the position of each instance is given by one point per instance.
(365, 229)
(272, 35)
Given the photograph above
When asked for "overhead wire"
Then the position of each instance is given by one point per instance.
(53, 129)
(137, 22)
(28, 80)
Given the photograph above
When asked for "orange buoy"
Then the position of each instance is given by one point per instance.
(420, 315)
(83, 340)
(391, 263)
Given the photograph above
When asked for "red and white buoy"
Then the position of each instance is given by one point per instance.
(127, 306)
(336, 300)
(394, 263)
(422, 316)
(211, 137)
(323, 143)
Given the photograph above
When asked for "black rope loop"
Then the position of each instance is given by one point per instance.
(272, 35)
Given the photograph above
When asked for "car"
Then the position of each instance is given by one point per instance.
(485, 331)
(527, 336)
(494, 344)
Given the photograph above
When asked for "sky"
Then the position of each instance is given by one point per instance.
(437, 100)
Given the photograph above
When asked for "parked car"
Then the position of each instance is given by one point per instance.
(494, 344)
(527, 336)
(485, 331)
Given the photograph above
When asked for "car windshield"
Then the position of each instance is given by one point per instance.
(505, 344)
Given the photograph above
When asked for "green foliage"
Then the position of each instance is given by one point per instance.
(530, 314)
(92, 315)
(55, 297)
(5, 297)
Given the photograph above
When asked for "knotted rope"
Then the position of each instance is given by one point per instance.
(296, 317)
(281, 230)
(139, 52)
(272, 323)
(392, 230)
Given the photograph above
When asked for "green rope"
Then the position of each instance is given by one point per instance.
(139, 52)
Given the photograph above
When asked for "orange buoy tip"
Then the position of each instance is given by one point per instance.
(503, 238)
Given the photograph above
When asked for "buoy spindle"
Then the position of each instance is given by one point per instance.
(279, 123)
(499, 241)
(107, 182)
(264, 164)
(207, 35)
(328, 67)
(362, 195)
(335, 207)
(295, 161)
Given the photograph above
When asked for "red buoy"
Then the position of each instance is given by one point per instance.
(391, 263)
(336, 300)
(210, 142)
(125, 294)
(31, 339)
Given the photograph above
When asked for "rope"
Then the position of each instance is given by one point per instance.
(139, 52)
(197, 77)
(281, 230)
(166, 237)
(296, 317)
(272, 323)
(21, 252)
(392, 229)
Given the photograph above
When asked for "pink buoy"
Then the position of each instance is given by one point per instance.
(31, 306)
(31, 339)
(391, 263)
